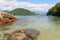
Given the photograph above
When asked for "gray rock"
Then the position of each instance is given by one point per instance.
(25, 34)
(6, 35)
(31, 32)
(18, 36)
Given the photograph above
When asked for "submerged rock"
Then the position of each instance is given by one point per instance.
(25, 34)
(6, 18)
(6, 35)
(18, 36)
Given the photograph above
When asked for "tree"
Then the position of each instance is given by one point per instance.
(54, 11)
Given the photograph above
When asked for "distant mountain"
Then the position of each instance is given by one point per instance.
(42, 13)
(4, 10)
(21, 11)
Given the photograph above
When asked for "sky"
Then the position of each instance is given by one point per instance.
(32, 5)
(40, 1)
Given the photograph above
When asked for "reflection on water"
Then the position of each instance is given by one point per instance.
(49, 27)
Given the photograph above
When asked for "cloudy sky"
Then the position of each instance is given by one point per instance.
(33, 5)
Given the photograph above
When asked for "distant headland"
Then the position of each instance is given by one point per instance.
(22, 11)
(55, 10)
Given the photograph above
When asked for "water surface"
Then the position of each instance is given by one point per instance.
(48, 26)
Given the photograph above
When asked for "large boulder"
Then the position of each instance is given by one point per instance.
(25, 34)
(19, 36)
(6, 18)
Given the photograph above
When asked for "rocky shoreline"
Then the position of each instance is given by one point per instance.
(24, 34)
(6, 18)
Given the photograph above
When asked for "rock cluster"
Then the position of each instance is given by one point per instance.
(26, 34)
(6, 18)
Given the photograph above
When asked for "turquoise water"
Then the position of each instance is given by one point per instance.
(49, 26)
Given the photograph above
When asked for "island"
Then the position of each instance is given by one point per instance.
(55, 10)
(22, 11)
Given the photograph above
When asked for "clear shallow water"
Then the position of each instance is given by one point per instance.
(48, 26)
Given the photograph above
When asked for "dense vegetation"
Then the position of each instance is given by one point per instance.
(54, 11)
(21, 11)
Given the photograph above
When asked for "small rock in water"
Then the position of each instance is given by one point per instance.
(25, 34)
(6, 35)
(0, 35)
(5, 28)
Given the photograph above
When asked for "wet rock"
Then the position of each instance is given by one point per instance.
(25, 34)
(18, 36)
(31, 33)
(0, 35)
(6, 35)
(6, 18)
(5, 28)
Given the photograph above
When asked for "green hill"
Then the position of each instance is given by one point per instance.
(55, 10)
(21, 11)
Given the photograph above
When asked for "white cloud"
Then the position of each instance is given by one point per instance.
(12, 4)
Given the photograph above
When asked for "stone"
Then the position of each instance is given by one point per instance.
(18, 36)
(31, 32)
(6, 18)
(25, 34)
(6, 35)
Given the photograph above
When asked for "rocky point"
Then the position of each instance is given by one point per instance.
(6, 18)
